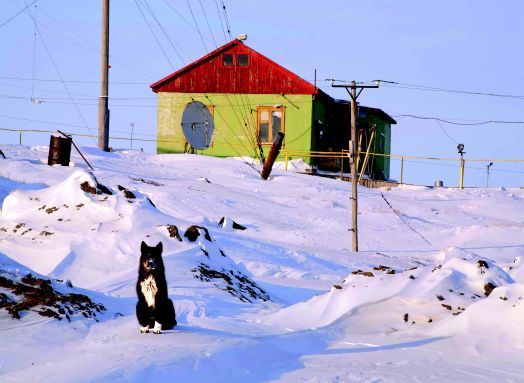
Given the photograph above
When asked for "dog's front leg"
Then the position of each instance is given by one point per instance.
(144, 329)
(158, 328)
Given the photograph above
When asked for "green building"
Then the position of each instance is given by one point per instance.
(234, 100)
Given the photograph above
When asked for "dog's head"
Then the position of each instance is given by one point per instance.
(151, 257)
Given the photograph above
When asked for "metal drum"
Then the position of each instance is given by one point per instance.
(59, 150)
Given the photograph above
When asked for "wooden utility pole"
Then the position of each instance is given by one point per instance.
(273, 154)
(103, 110)
(352, 90)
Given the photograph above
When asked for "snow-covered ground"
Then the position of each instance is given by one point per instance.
(283, 300)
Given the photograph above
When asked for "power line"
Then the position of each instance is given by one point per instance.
(395, 84)
(207, 22)
(42, 122)
(445, 132)
(16, 14)
(72, 81)
(92, 48)
(403, 220)
(171, 42)
(221, 23)
(60, 74)
(459, 123)
(154, 35)
(196, 25)
(226, 19)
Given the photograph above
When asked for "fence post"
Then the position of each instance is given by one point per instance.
(20, 139)
(401, 170)
(462, 163)
(285, 159)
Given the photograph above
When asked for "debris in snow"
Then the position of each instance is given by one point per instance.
(51, 210)
(488, 288)
(481, 263)
(193, 232)
(127, 193)
(235, 284)
(387, 269)
(364, 273)
(99, 189)
(173, 232)
(440, 297)
(226, 222)
(406, 318)
(30, 293)
(149, 182)
(447, 306)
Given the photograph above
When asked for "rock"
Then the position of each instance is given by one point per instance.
(364, 273)
(127, 193)
(173, 232)
(193, 232)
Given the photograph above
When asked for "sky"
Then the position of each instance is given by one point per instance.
(469, 45)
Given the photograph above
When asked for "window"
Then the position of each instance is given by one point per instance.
(270, 121)
(243, 59)
(227, 59)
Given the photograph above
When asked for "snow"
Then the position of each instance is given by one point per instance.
(286, 299)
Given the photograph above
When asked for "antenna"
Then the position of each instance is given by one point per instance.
(198, 125)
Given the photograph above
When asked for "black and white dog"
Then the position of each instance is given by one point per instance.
(154, 309)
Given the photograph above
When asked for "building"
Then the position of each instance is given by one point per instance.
(234, 100)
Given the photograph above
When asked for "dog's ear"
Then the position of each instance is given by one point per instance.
(143, 247)
(159, 247)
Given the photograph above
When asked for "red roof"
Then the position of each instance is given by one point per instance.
(209, 75)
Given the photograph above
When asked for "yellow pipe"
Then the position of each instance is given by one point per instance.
(367, 156)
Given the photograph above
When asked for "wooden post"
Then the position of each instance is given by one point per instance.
(273, 154)
(353, 163)
(352, 90)
(401, 170)
(103, 112)
(462, 163)
(286, 159)
(20, 139)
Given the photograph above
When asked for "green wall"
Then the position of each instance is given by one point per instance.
(231, 137)
(382, 141)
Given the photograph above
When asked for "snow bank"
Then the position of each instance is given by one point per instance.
(384, 299)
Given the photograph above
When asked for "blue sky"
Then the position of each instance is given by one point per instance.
(465, 45)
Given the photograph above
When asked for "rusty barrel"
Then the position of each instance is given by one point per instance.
(59, 150)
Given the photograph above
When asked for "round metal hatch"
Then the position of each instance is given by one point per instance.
(198, 125)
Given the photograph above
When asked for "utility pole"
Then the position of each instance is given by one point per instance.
(352, 90)
(103, 110)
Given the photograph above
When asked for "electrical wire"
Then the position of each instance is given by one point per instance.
(221, 23)
(207, 22)
(459, 123)
(226, 19)
(34, 56)
(89, 46)
(403, 220)
(395, 84)
(73, 81)
(16, 14)
(154, 35)
(168, 37)
(196, 25)
(446, 132)
(60, 74)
